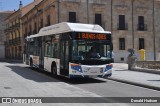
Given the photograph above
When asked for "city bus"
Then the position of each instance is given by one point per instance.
(63, 49)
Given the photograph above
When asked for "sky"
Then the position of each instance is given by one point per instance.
(10, 5)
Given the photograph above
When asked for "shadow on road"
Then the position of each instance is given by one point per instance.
(43, 76)
(30, 74)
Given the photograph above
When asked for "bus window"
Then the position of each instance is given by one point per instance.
(55, 46)
(31, 48)
(81, 49)
(48, 47)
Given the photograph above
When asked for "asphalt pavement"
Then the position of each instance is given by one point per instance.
(18, 80)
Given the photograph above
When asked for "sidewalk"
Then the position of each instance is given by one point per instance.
(122, 74)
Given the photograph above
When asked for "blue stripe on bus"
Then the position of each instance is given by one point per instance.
(77, 68)
(108, 67)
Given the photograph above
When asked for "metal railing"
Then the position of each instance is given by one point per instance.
(123, 27)
(142, 27)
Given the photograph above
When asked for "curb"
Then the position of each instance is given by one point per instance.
(135, 83)
(146, 70)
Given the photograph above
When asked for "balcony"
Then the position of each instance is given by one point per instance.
(122, 27)
(142, 27)
(18, 40)
(8, 29)
(15, 41)
(10, 42)
(17, 25)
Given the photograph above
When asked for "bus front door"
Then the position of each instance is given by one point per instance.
(64, 58)
(41, 53)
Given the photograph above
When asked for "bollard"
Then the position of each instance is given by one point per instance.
(142, 55)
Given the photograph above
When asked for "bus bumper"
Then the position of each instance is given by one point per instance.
(86, 71)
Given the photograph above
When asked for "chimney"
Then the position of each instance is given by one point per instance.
(20, 5)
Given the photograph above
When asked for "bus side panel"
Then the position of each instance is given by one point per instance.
(48, 64)
(36, 60)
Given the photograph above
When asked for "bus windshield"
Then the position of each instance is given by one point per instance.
(91, 50)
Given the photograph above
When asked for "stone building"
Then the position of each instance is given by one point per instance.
(3, 15)
(133, 23)
(13, 32)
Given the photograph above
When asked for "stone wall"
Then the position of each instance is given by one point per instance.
(148, 64)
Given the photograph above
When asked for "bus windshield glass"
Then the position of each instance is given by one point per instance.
(91, 50)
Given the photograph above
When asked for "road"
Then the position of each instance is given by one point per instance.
(18, 80)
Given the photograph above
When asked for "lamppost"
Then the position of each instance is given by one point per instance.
(154, 46)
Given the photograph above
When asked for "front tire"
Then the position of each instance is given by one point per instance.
(31, 63)
(54, 70)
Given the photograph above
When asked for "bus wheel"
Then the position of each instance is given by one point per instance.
(54, 70)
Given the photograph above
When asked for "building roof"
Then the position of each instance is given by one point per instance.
(30, 6)
(27, 8)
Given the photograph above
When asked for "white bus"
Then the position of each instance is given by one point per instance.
(64, 49)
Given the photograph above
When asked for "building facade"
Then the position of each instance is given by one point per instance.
(13, 32)
(133, 23)
(3, 15)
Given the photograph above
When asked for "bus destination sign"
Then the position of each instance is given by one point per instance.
(92, 36)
